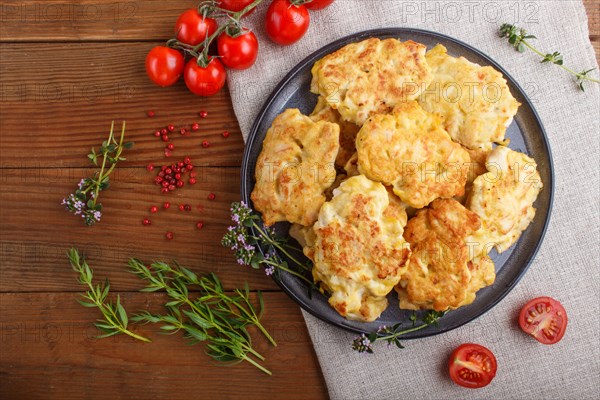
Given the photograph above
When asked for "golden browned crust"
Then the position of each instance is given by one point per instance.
(348, 130)
(483, 273)
(371, 77)
(294, 168)
(474, 102)
(410, 150)
(438, 275)
(359, 252)
(476, 168)
(503, 198)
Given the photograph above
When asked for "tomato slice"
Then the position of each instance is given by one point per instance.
(472, 366)
(545, 319)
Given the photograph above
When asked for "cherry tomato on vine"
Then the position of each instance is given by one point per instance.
(192, 28)
(286, 23)
(204, 81)
(164, 65)
(472, 366)
(318, 4)
(236, 5)
(238, 52)
(545, 319)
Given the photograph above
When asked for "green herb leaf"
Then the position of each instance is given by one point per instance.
(121, 311)
(86, 304)
(212, 315)
(115, 318)
(519, 39)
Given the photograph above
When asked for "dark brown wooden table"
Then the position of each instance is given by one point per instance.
(66, 70)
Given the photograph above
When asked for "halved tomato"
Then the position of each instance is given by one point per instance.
(472, 366)
(545, 319)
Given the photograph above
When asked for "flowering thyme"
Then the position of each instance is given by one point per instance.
(242, 240)
(84, 201)
(391, 335)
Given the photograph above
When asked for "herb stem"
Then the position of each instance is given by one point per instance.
(290, 271)
(257, 365)
(256, 323)
(278, 246)
(119, 150)
(404, 332)
(577, 74)
(97, 297)
(252, 316)
(100, 174)
(219, 328)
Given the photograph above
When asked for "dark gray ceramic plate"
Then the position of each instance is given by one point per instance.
(526, 134)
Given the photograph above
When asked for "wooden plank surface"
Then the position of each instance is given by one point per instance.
(33, 258)
(66, 69)
(58, 110)
(75, 20)
(50, 352)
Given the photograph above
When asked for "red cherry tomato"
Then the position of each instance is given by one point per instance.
(192, 29)
(285, 22)
(204, 81)
(236, 5)
(472, 366)
(238, 52)
(164, 65)
(545, 319)
(318, 4)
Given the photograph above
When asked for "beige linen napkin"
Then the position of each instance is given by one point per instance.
(567, 265)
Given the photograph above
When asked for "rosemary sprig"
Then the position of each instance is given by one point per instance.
(214, 316)
(518, 38)
(391, 335)
(84, 201)
(115, 319)
(242, 240)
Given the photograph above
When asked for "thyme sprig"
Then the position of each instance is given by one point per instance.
(115, 318)
(215, 317)
(519, 39)
(391, 335)
(246, 235)
(84, 201)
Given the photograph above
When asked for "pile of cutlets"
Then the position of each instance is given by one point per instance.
(401, 178)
